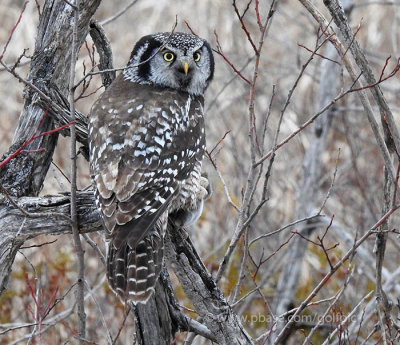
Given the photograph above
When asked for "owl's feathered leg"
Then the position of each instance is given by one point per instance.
(133, 272)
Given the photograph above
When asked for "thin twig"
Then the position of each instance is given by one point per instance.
(119, 13)
(80, 291)
(13, 30)
(96, 248)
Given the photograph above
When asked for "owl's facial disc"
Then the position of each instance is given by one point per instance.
(179, 61)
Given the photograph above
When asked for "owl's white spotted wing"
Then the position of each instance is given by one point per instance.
(142, 143)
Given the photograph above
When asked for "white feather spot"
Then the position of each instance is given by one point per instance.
(141, 268)
(141, 145)
(138, 153)
(160, 199)
(117, 146)
(159, 141)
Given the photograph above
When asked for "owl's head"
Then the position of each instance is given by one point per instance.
(178, 60)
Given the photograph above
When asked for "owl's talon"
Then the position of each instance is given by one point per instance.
(205, 188)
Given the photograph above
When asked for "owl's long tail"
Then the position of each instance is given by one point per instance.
(133, 272)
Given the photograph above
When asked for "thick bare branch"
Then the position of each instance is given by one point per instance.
(202, 291)
(48, 215)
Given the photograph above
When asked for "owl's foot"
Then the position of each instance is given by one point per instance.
(185, 217)
(205, 188)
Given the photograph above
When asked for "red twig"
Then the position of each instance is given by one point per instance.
(86, 82)
(326, 34)
(89, 94)
(41, 312)
(38, 7)
(220, 141)
(13, 29)
(247, 8)
(244, 28)
(272, 254)
(381, 78)
(221, 53)
(384, 67)
(122, 326)
(91, 52)
(189, 27)
(260, 25)
(318, 54)
(322, 245)
(320, 242)
(258, 266)
(304, 238)
(21, 148)
(211, 160)
(353, 38)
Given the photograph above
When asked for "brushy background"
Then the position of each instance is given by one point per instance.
(355, 200)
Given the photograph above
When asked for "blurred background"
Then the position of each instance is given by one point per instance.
(349, 186)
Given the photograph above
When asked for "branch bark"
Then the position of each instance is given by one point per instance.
(203, 292)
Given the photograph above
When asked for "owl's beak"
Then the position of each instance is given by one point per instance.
(186, 67)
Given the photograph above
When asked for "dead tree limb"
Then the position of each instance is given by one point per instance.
(203, 292)
(24, 174)
(45, 215)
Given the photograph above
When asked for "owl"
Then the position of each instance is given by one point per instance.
(146, 144)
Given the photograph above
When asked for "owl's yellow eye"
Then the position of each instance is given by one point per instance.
(196, 56)
(168, 56)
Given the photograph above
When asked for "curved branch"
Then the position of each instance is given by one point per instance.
(39, 216)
